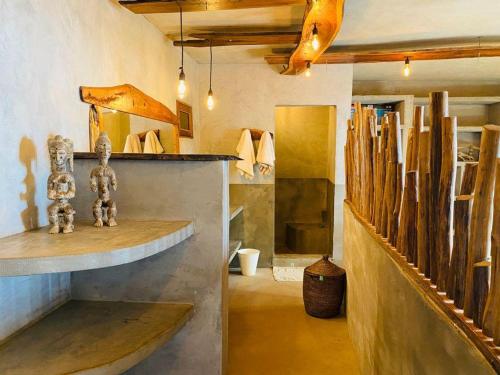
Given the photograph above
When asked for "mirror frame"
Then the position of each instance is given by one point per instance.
(127, 98)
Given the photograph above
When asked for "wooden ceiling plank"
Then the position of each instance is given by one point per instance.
(327, 15)
(171, 6)
(353, 57)
(240, 38)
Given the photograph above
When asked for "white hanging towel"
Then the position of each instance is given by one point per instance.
(265, 154)
(132, 144)
(245, 151)
(152, 145)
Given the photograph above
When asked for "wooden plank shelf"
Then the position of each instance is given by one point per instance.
(92, 337)
(235, 211)
(88, 247)
(234, 246)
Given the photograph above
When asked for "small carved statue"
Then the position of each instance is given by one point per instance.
(61, 185)
(102, 178)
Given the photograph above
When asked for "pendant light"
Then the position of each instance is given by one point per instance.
(181, 87)
(210, 98)
(315, 38)
(308, 69)
(406, 70)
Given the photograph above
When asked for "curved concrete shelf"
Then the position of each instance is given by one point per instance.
(38, 252)
(90, 337)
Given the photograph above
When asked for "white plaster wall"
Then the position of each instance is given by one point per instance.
(47, 50)
(247, 94)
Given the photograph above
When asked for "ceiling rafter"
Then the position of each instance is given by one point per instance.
(351, 56)
(172, 6)
(240, 38)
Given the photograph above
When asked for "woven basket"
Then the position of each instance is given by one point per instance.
(323, 288)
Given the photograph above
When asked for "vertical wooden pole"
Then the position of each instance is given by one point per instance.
(480, 217)
(438, 109)
(375, 146)
(393, 179)
(461, 221)
(491, 323)
(418, 127)
(407, 234)
(382, 162)
(423, 224)
(446, 197)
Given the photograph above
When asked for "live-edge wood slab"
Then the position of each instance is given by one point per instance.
(88, 247)
(91, 337)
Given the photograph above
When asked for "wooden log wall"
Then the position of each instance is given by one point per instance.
(413, 204)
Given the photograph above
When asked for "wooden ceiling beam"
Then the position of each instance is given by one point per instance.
(172, 6)
(374, 56)
(327, 15)
(240, 38)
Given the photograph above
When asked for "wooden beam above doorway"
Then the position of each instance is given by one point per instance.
(172, 6)
(327, 15)
(240, 38)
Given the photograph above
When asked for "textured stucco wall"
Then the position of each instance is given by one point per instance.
(194, 271)
(394, 328)
(48, 49)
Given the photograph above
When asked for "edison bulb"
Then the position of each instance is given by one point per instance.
(315, 42)
(406, 70)
(308, 70)
(181, 88)
(210, 100)
(315, 38)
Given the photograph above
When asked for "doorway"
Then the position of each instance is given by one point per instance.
(305, 152)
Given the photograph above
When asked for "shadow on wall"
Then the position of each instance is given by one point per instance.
(28, 156)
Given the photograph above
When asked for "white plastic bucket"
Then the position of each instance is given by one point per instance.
(248, 261)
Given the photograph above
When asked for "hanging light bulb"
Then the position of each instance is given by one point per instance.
(210, 98)
(181, 87)
(315, 38)
(406, 70)
(308, 69)
(315, 3)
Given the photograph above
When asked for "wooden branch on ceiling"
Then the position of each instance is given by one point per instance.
(171, 6)
(327, 15)
(240, 38)
(374, 56)
(129, 99)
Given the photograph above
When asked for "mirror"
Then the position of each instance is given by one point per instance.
(119, 125)
(134, 121)
(185, 116)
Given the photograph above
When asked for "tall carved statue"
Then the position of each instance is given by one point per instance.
(61, 185)
(102, 179)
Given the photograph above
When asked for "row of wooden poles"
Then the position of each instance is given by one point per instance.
(413, 204)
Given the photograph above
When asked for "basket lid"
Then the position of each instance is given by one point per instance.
(324, 267)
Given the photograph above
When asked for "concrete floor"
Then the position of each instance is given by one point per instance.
(270, 333)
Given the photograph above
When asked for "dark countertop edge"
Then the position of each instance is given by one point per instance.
(173, 157)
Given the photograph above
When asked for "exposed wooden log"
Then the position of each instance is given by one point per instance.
(171, 6)
(423, 223)
(491, 323)
(240, 38)
(481, 275)
(366, 161)
(375, 145)
(327, 15)
(438, 109)
(374, 56)
(480, 217)
(407, 234)
(446, 197)
(418, 127)
(381, 168)
(461, 221)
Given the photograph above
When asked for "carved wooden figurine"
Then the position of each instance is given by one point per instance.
(61, 185)
(102, 179)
